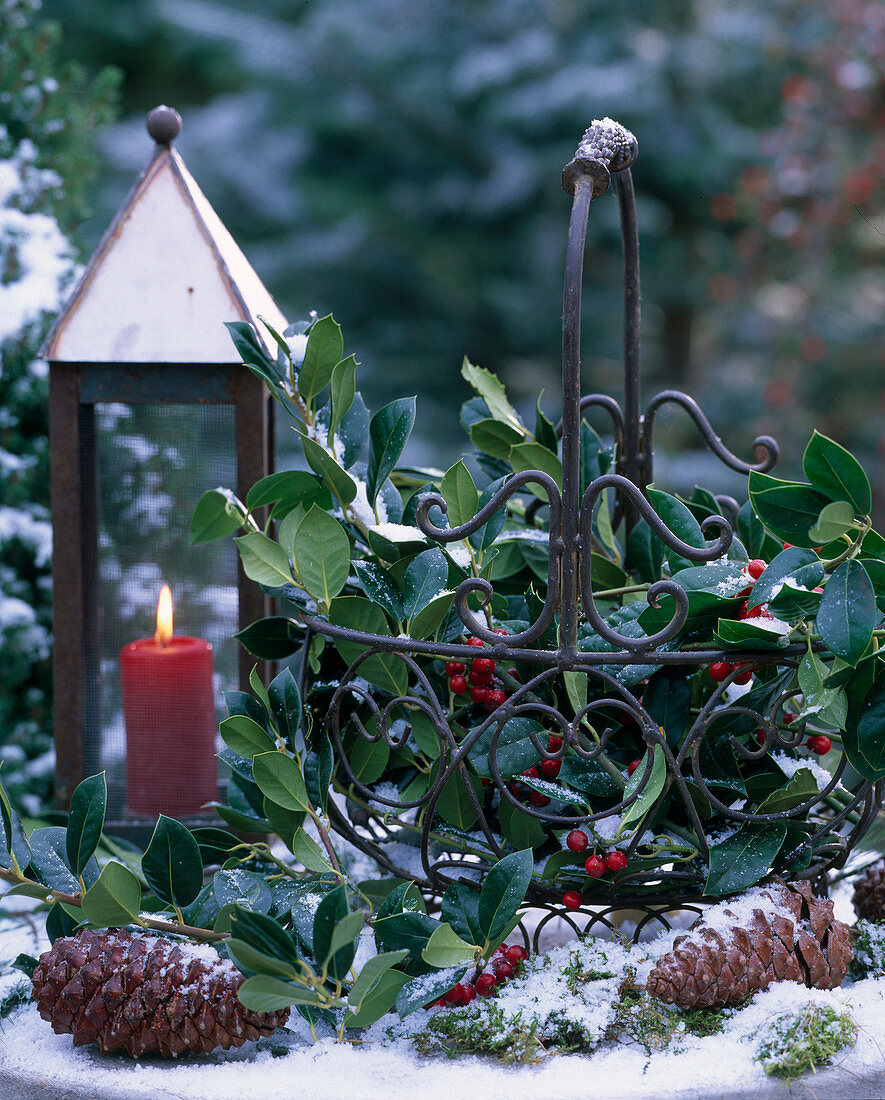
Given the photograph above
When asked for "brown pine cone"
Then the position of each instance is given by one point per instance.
(777, 933)
(145, 995)
(869, 893)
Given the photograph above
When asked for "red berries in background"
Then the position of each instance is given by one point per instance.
(576, 841)
(554, 743)
(479, 694)
(571, 899)
(632, 766)
(458, 685)
(475, 641)
(820, 744)
(503, 969)
(616, 861)
(538, 799)
(454, 668)
(550, 768)
(595, 866)
(486, 984)
(517, 954)
(756, 568)
(744, 676)
(719, 670)
(483, 664)
(479, 679)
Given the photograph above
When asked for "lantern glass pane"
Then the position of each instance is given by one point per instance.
(156, 735)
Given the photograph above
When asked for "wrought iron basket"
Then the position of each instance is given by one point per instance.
(605, 153)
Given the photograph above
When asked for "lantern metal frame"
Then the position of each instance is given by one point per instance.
(75, 388)
(606, 153)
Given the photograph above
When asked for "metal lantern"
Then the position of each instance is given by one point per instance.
(149, 407)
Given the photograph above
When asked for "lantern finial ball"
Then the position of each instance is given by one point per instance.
(164, 125)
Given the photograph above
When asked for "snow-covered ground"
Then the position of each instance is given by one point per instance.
(385, 1066)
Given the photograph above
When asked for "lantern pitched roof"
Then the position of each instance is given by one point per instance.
(164, 278)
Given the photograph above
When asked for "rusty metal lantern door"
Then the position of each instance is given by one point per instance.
(147, 401)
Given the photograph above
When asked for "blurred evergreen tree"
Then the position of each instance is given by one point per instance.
(48, 112)
(397, 161)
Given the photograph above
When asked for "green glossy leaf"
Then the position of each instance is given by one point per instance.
(263, 933)
(262, 993)
(384, 671)
(534, 456)
(492, 391)
(324, 347)
(49, 862)
(368, 977)
(86, 821)
(172, 865)
(375, 990)
(321, 552)
(293, 487)
(514, 751)
(787, 508)
(460, 909)
(424, 579)
(446, 948)
(380, 587)
(758, 633)
(285, 705)
(680, 521)
(425, 990)
(834, 521)
(308, 853)
(353, 431)
(15, 849)
(218, 514)
(343, 391)
(334, 476)
(270, 639)
(802, 787)
(650, 791)
(864, 737)
(264, 560)
(405, 931)
(801, 566)
(829, 703)
(114, 899)
(241, 887)
(848, 614)
(389, 431)
(460, 494)
(522, 830)
(485, 537)
(245, 736)
(668, 702)
(837, 473)
(280, 779)
(454, 804)
(318, 767)
(744, 858)
(332, 912)
(254, 355)
(589, 777)
(252, 961)
(503, 892)
(495, 438)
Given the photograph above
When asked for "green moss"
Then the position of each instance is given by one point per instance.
(869, 950)
(483, 1028)
(641, 1019)
(798, 1041)
(577, 974)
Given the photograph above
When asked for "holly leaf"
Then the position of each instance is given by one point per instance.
(85, 821)
(837, 473)
(744, 858)
(172, 865)
(848, 614)
(389, 430)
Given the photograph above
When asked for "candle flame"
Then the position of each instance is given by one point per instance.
(164, 616)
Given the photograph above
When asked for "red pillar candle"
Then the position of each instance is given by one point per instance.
(169, 710)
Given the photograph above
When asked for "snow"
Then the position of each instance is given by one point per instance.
(789, 766)
(382, 1064)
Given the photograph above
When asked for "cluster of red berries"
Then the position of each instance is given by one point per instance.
(505, 964)
(480, 680)
(719, 670)
(544, 769)
(595, 865)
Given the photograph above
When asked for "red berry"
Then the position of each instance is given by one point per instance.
(571, 899)
(576, 841)
(470, 993)
(495, 699)
(517, 954)
(479, 679)
(744, 676)
(616, 861)
(486, 985)
(485, 782)
(719, 670)
(756, 568)
(632, 766)
(744, 611)
(554, 743)
(515, 788)
(531, 773)
(504, 969)
(788, 718)
(595, 866)
(479, 694)
(788, 546)
(760, 736)
(458, 685)
(820, 744)
(745, 591)
(514, 675)
(475, 641)
(483, 664)
(501, 949)
(455, 995)
(454, 668)
(550, 768)
(538, 799)
(500, 630)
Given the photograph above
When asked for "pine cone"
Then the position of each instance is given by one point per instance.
(777, 933)
(869, 893)
(145, 995)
